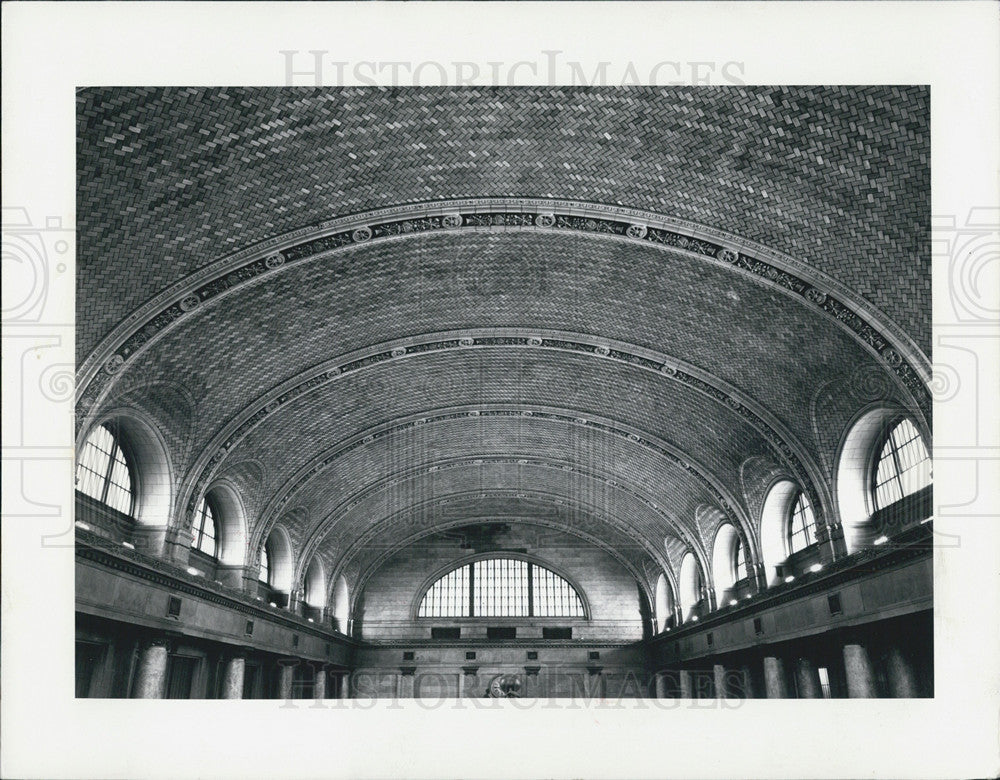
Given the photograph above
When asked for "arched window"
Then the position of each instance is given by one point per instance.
(265, 567)
(903, 466)
(501, 587)
(801, 524)
(103, 471)
(203, 531)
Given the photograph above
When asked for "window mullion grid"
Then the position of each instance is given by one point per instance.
(472, 590)
(531, 588)
(505, 591)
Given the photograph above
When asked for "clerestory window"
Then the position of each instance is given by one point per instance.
(903, 465)
(103, 471)
(501, 587)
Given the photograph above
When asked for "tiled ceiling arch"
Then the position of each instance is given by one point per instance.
(179, 177)
(309, 268)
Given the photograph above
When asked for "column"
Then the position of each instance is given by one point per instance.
(232, 681)
(661, 685)
(470, 681)
(151, 676)
(807, 679)
(345, 685)
(749, 689)
(902, 680)
(531, 682)
(285, 678)
(686, 677)
(406, 680)
(595, 682)
(860, 675)
(719, 678)
(774, 678)
(319, 686)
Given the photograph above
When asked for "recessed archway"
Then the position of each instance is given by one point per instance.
(724, 574)
(341, 605)
(773, 521)
(855, 461)
(664, 603)
(231, 523)
(692, 587)
(279, 554)
(315, 584)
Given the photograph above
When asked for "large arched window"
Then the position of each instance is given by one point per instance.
(103, 471)
(903, 466)
(501, 587)
(203, 534)
(801, 526)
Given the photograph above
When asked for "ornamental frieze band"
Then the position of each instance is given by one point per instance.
(477, 215)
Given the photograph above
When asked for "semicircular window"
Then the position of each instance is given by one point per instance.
(501, 587)
(103, 472)
(903, 466)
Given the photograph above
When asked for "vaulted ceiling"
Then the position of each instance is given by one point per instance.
(620, 313)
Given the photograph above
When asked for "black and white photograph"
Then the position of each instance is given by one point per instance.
(401, 388)
(592, 392)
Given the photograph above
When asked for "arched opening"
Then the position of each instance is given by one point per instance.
(884, 476)
(502, 586)
(692, 589)
(123, 480)
(665, 617)
(231, 524)
(730, 570)
(800, 527)
(277, 552)
(204, 535)
(341, 606)
(773, 523)
(315, 589)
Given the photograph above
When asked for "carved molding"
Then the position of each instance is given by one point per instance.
(798, 280)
